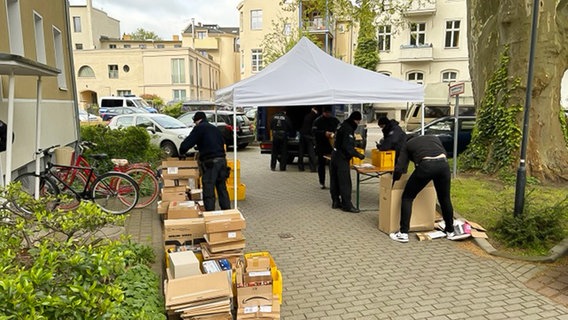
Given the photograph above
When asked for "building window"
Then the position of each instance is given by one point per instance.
(386, 73)
(256, 60)
(127, 46)
(15, 35)
(256, 19)
(199, 74)
(78, 46)
(160, 46)
(201, 34)
(86, 71)
(178, 71)
(39, 38)
(191, 72)
(449, 76)
(241, 21)
(417, 34)
(113, 71)
(126, 68)
(177, 45)
(179, 94)
(142, 46)
(417, 77)
(452, 34)
(112, 46)
(77, 24)
(287, 29)
(384, 38)
(59, 60)
(123, 93)
(242, 61)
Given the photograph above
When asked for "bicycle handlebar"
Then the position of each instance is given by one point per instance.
(47, 151)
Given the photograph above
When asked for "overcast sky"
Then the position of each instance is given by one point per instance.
(167, 17)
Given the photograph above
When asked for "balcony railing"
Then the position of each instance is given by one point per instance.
(421, 52)
(318, 25)
(421, 9)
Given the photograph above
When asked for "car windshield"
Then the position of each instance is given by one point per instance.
(141, 103)
(168, 122)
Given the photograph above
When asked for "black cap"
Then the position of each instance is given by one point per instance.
(199, 115)
(356, 115)
(383, 121)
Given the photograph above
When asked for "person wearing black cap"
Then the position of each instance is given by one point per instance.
(212, 161)
(431, 164)
(281, 127)
(340, 169)
(393, 136)
(324, 128)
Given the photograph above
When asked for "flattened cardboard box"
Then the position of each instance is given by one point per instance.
(254, 296)
(222, 215)
(225, 225)
(390, 198)
(227, 236)
(270, 311)
(183, 229)
(176, 163)
(197, 288)
(228, 246)
(173, 195)
(179, 173)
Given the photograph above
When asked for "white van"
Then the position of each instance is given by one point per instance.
(432, 112)
(126, 101)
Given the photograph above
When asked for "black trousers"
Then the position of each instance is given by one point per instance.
(321, 168)
(426, 171)
(307, 146)
(214, 176)
(340, 180)
(279, 152)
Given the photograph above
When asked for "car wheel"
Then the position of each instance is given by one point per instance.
(169, 149)
(243, 145)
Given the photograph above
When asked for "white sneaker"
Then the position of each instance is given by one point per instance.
(453, 236)
(399, 236)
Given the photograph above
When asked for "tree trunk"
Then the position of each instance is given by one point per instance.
(494, 24)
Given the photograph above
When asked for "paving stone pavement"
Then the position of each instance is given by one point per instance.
(338, 265)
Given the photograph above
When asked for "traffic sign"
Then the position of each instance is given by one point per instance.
(456, 89)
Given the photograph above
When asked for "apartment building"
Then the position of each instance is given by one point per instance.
(37, 87)
(258, 18)
(116, 65)
(432, 49)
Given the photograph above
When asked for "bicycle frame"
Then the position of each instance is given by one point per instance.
(90, 175)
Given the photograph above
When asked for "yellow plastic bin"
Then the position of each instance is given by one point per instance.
(383, 160)
(274, 272)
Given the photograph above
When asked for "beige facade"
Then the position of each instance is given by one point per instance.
(34, 56)
(89, 24)
(433, 51)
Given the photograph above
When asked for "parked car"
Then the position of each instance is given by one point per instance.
(444, 129)
(166, 132)
(224, 121)
(431, 112)
(110, 113)
(84, 116)
(125, 101)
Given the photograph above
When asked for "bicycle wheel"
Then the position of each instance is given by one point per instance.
(47, 188)
(115, 192)
(74, 181)
(148, 185)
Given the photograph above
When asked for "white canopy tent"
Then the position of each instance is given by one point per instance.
(306, 75)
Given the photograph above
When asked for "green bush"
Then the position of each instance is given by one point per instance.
(132, 143)
(536, 229)
(53, 266)
(173, 110)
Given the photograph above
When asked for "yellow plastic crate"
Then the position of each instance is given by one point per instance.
(275, 273)
(383, 160)
(241, 190)
(355, 160)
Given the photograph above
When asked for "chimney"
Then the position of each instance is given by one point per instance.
(175, 37)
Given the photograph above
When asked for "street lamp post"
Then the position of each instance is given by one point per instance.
(522, 170)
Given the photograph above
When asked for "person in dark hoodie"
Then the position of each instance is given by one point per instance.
(393, 136)
(340, 169)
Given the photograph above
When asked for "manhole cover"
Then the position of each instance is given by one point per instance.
(286, 236)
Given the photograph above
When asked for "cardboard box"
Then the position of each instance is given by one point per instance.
(196, 194)
(227, 246)
(173, 194)
(179, 173)
(182, 230)
(226, 236)
(176, 163)
(163, 207)
(183, 210)
(200, 287)
(183, 264)
(225, 225)
(257, 263)
(267, 311)
(254, 296)
(390, 196)
(221, 215)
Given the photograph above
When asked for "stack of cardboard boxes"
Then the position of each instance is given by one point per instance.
(223, 234)
(259, 287)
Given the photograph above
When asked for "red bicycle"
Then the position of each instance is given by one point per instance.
(142, 173)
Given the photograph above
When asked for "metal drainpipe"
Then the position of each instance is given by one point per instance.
(72, 71)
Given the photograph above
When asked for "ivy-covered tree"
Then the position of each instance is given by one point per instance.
(141, 34)
(499, 39)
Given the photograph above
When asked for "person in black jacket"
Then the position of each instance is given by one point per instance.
(393, 136)
(340, 169)
(324, 128)
(212, 161)
(281, 127)
(307, 141)
(429, 157)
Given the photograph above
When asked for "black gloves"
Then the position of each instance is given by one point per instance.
(396, 175)
(361, 156)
